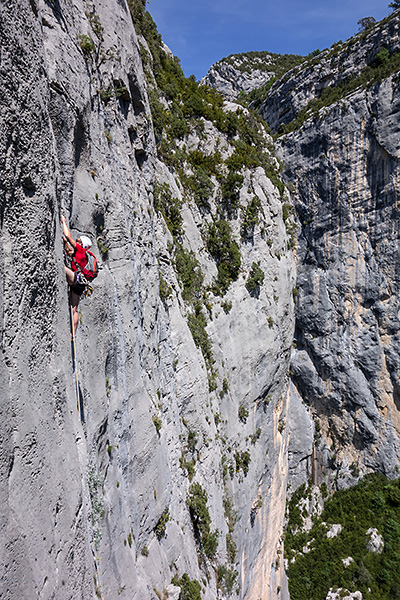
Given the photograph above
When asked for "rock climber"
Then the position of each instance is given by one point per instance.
(78, 275)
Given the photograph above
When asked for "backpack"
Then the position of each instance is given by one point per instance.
(91, 268)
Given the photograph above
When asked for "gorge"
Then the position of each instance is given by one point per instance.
(243, 335)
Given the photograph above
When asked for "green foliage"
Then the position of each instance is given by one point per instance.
(395, 4)
(187, 465)
(201, 520)
(230, 514)
(255, 436)
(230, 188)
(250, 217)
(165, 290)
(157, 113)
(157, 424)
(373, 503)
(189, 273)
(169, 207)
(287, 211)
(226, 578)
(242, 460)
(225, 387)
(227, 306)
(225, 251)
(243, 413)
(113, 91)
(210, 543)
(191, 440)
(209, 162)
(255, 279)
(278, 64)
(231, 548)
(382, 58)
(86, 45)
(324, 489)
(200, 186)
(190, 588)
(161, 524)
(97, 27)
(187, 99)
(102, 243)
(197, 324)
(366, 23)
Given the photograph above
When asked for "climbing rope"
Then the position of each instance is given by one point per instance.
(74, 356)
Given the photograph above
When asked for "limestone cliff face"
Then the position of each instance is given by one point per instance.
(243, 73)
(93, 502)
(230, 78)
(343, 162)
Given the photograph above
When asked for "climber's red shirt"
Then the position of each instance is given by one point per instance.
(80, 258)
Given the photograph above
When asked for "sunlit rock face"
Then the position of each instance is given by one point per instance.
(231, 78)
(344, 164)
(84, 492)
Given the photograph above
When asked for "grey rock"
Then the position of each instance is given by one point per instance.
(334, 65)
(344, 167)
(230, 79)
(375, 542)
(301, 441)
(82, 493)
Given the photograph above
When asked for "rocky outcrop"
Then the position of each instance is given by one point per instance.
(334, 67)
(94, 501)
(242, 73)
(230, 80)
(343, 162)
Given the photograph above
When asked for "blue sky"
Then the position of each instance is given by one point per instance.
(201, 32)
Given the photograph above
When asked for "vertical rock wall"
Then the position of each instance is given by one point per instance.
(82, 492)
(344, 164)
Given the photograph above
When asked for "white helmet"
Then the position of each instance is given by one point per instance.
(86, 243)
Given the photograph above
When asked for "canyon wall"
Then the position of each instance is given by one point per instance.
(94, 490)
(342, 158)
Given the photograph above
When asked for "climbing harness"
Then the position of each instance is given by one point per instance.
(88, 291)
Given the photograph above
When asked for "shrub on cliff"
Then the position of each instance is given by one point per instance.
(201, 520)
(225, 250)
(255, 279)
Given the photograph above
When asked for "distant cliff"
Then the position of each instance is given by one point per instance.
(241, 74)
(338, 120)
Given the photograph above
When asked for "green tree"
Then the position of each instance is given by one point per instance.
(395, 4)
(366, 23)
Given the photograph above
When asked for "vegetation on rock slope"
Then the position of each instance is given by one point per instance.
(210, 152)
(383, 65)
(180, 106)
(315, 562)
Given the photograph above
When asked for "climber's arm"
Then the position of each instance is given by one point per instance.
(67, 233)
